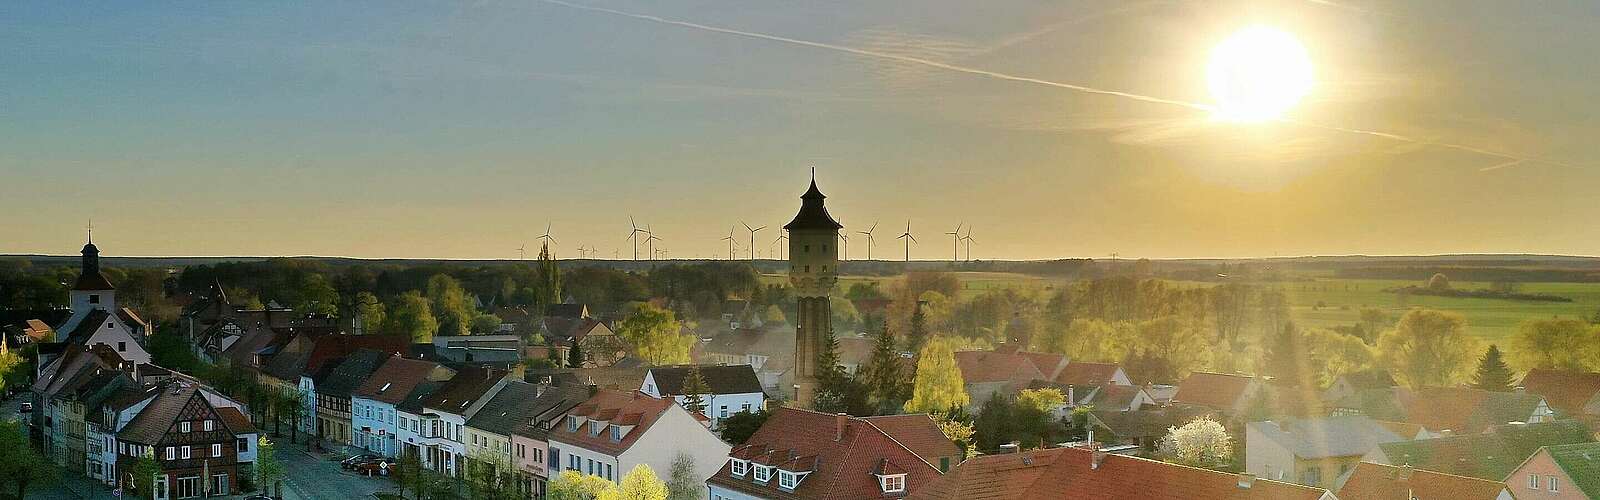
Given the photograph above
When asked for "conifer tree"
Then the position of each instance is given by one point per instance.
(549, 285)
(575, 356)
(885, 378)
(693, 388)
(1492, 374)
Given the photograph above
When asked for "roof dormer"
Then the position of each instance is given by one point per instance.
(891, 477)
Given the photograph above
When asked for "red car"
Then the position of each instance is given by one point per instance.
(373, 468)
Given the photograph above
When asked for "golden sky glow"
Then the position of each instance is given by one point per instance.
(1258, 74)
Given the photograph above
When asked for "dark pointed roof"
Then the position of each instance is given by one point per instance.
(812, 214)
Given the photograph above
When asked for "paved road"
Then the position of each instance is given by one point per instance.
(318, 476)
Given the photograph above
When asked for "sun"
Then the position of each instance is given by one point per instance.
(1258, 74)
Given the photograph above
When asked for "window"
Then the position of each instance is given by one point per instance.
(242, 444)
(944, 464)
(739, 466)
(608, 473)
(121, 346)
(824, 248)
(763, 473)
(522, 451)
(893, 484)
(219, 484)
(572, 424)
(786, 479)
(1553, 483)
(209, 425)
(184, 452)
(616, 434)
(594, 429)
(183, 427)
(1311, 476)
(722, 412)
(590, 464)
(1533, 481)
(172, 453)
(216, 450)
(808, 269)
(807, 249)
(94, 298)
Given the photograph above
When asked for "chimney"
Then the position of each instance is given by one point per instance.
(1246, 480)
(1096, 457)
(1405, 472)
(839, 420)
(1011, 447)
(1072, 399)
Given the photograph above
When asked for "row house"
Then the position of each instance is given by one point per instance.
(730, 388)
(432, 425)
(374, 415)
(334, 387)
(614, 431)
(202, 449)
(319, 363)
(499, 434)
(802, 454)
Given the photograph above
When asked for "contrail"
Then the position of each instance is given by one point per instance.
(1024, 79)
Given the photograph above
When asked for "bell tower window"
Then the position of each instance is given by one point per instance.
(94, 298)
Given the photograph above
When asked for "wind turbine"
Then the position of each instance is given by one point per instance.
(782, 237)
(547, 238)
(729, 239)
(844, 246)
(868, 232)
(634, 235)
(651, 238)
(968, 241)
(909, 239)
(522, 252)
(955, 242)
(752, 237)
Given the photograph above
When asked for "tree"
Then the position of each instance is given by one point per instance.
(411, 316)
(20, 464)
(1595, 318)
(1438, 282)
(143, 473)
(571, 485)
(549, 286)
(655, 335)
(738, 427)
(683, 483)
(938, 383)
(451, 307)
(844, 312)
(1033, 410)
(575, 355)
(773, 315)
(693, 388)
(837, 392)
(1427, 348)
(958, 431)
(268, 469)
(917, 334)
(996, 422)
(1492, 374)
(884, 377)
(370, 312)
(1374, 321)
(1200, 443)
(408, 471)
(641, 483)
(1561, 344)
(1287, 359)
(169, 348)
(485, 323)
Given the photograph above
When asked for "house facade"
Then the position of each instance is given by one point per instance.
(190, 440)
(1315, 452)
(1561, 472)
(731, 388)
(444, 414)
(613, 431)
(375, 418)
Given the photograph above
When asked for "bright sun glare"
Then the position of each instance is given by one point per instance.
(1258, 74)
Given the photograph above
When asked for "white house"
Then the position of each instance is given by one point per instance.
(96, 319)
(730, 388)
(375, 420)
(443, 417)
(614, 431)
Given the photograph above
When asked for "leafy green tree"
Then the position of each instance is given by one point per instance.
(885, 376)
(694, 388)
(144, 471)
(995, 424)
(409, 472)
(958, 431)
(1439, 282)
(1179, 343)
(738, 427)
(1427, 348)
(268, 469)
(451, 306)
(683, 483)
(369, 311)
(411, 316)
(1033, 410)
(485, 323)
(917, 334)
(938, 385)
(1200, 443)
(1562, 344)
(837, 392)
(21, 466)
(655, 335)
(1374, 322)
(571, 485)
(1492, 374)
(549, 288)
(1287, 358)
(844, 312)
(641, 483)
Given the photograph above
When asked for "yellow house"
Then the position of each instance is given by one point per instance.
(1316, 452)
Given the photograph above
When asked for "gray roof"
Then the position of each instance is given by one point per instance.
(519, 404)
(349, 374)
(720, 379)
(1327, 436)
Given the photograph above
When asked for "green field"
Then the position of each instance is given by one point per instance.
(1341, 300)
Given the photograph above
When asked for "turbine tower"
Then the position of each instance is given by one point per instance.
(729, 239)
(968, 241)
(522, 252)
(651, 238)
(782, 237)
(909, 239)
(752, 238)
(868, 232)
(955, 242)
(634, 235)
(844, 246)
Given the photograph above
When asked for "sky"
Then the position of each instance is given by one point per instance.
(461, 129)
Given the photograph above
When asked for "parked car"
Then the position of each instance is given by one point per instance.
(379, 467)
(350, 463)
(25, 408)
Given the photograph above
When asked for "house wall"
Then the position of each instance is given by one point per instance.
(373, 426)
(718, 493)
(1324, 472)
(1542, 466)
(1266, 458)
(308, 405)
(531, 456)
(673, 432)
(119, 337)
(585, 461)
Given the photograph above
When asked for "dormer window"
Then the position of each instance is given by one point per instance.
(739, 467)
(788, 480)
(893, 483)
(616, 434)
(572, 424)
(594, 429)
(763, 473)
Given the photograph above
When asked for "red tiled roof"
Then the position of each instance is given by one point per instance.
(1091, 374)
(844, 468)
(395, 379)
(1464, 409)
(331, 347)
(1215, 390)
(919, 433)
(989, 366)
(1066, 473)
(634, 408)
(1565, 391)
(235, 421)
(1372, 481)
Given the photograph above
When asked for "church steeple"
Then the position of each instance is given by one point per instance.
(89, 276)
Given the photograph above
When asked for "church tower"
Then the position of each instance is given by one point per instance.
(813, 270)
